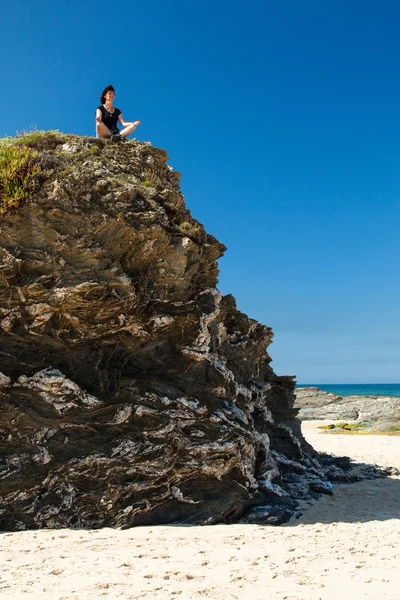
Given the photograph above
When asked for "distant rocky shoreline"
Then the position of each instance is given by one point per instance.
(378, 413)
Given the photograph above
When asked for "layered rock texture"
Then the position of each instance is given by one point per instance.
(131, 391)
(380, 413)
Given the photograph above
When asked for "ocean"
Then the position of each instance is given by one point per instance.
(357, 389)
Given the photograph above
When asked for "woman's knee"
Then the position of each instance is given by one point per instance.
(102, 130)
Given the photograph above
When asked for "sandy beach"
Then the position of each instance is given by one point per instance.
(345, 546)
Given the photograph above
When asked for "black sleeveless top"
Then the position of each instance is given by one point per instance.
(110, 120)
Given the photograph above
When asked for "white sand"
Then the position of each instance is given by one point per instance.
(344, 547)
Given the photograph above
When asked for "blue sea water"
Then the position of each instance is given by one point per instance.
(357, 389)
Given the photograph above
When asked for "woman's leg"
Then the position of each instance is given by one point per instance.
(102, 130)
(128, 130)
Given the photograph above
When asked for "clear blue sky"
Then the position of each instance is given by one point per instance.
(283, 118)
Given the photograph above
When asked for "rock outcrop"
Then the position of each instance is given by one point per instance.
(132, 392)
(372, 412)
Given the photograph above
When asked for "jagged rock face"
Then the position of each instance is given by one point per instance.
(131, 391)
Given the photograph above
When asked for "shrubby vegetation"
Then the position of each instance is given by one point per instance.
(19, 175)
(192, 231)
(38, 139)
(359, 428)
(22, 167)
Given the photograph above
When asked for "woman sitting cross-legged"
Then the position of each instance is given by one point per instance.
(107, 117)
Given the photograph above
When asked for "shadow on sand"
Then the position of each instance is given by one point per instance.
(360, 502)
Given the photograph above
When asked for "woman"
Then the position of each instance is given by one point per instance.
(107, 117)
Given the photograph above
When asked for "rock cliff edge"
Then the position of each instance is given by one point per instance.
(132, 392)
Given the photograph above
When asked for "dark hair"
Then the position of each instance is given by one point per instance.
(109, 88)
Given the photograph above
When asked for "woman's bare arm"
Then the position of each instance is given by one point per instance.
(125, 123)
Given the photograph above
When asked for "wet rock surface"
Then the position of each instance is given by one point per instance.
(131, 391)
